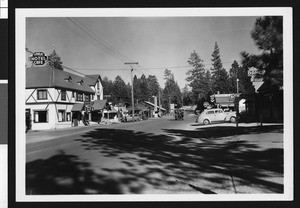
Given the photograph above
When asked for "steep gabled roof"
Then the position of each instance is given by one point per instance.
(99, 104)
(47, 77)
(91, 80)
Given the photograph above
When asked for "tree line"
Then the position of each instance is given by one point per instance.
(202, 81)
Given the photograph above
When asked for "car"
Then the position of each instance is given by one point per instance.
(215, 115)
(128, 118)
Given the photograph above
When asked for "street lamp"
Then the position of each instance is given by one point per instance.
(237, 85)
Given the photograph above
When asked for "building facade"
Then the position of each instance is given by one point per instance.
(57, 99)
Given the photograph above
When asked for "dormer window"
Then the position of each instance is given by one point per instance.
(68, 79)
(80, 82)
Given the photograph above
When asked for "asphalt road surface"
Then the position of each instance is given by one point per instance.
(156, 156)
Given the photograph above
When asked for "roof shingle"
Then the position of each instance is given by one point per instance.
(47, 77)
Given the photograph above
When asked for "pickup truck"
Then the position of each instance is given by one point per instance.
(215, 115)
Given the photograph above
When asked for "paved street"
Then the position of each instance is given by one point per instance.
(156, 156)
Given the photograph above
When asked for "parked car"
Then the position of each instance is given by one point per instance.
(128, 118)
(215, 115)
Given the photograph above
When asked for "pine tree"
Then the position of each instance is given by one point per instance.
(54, 61)
(197, 77)
(144, 89)
(107, 87)
(233, 76)
(136, 88)
(120, 93)
(187, 96)
(219, 74)
(238, 72)
(171, 92)
(153, 85)
(268, 37)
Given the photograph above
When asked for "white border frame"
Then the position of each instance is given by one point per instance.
(286, 12)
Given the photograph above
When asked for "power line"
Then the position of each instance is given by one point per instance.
(96, 38)
(105, 43)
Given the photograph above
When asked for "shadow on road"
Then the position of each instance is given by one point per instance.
(224, 131)
(160, 161)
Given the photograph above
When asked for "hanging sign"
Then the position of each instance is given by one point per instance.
(38, 58)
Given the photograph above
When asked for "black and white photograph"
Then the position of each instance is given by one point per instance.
(154, 104)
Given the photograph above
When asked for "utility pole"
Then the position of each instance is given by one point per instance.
(132, 99)
(159, 101)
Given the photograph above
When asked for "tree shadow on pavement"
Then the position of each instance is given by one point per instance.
(158, 162)
(66, 174)
(224, 131)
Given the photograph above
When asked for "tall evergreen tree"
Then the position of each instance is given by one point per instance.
(107, 87)
(144, 88)
(187, 96)
(233, 76)
(120, 93)
(198, 79)
(153, 85)
(54, 61)
(268, 37)
(136, 88)
(171, 91)
(238, 72)
(219, 74)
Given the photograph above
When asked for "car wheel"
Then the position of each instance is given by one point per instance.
(232, 119)
(206, 122)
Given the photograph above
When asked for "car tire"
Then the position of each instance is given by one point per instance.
(232, 119)
(206, 122)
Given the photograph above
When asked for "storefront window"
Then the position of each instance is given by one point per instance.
(61, 115)
(68, 116)
(40, 116)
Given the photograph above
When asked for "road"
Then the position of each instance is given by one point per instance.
(156, 156)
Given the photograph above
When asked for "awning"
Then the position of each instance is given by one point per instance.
(98, 104)
(77, 107)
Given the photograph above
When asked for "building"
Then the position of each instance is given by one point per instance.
(271, 102)
(56, 98)
(94, 81)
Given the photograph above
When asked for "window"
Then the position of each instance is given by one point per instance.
(98, 97)
(68, 79)
(63, 95)
(42, 94)
(87, 98)
(79, 97)
(68, 116)
(218, 111)
(210, 112)
(61, 115)
(98, 85)
(41, 116)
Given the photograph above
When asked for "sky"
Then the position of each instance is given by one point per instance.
(102, 45)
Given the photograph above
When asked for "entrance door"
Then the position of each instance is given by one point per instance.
(28, 119)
